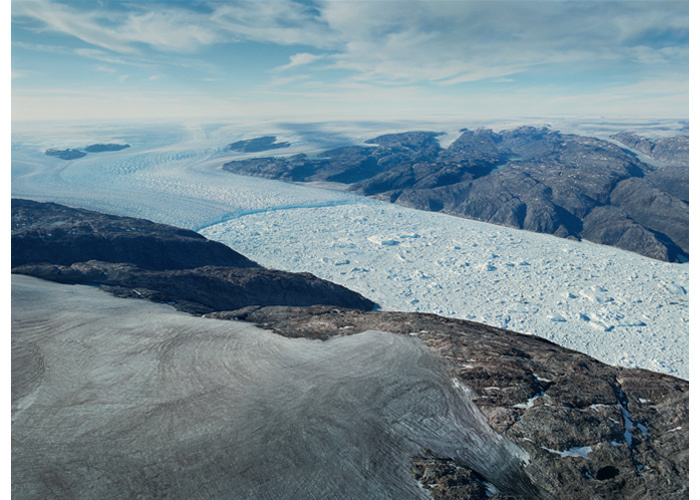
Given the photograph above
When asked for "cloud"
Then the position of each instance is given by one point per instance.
(300, 59)
(296, 79)
(176, 28)
(430, 52)
(86, 26)
(456, 42)
(281, 22)
(101, 55)
(441, 42)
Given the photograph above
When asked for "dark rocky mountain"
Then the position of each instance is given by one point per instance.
(672, 178)
(202, 290)
(74, 154)
(101, 148)
(65, 154)
(590, 430)
(258, 144)
(528, 178)
(671, 150)
(138, 258)
(56, 234)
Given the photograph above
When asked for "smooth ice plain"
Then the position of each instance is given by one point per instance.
(616, 306)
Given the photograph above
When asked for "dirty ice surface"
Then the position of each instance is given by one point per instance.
(616, 306)
(188, 407)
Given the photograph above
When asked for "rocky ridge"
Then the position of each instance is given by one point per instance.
(529, 178)
(138, 258)
(671, 150)
(592, 431)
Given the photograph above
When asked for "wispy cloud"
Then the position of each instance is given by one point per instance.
(101, 55)
(301, 59)
(443, 42)
(328, 52)
(87, 26)
(284, 81)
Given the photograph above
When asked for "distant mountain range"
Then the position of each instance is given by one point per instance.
(529, 178)
(671, 150)
(590, 430)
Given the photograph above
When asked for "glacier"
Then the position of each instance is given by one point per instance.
(619, 307)
(203, 408)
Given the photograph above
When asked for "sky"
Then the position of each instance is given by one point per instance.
(330, 60)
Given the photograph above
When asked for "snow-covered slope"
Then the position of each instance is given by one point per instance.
(616, 306)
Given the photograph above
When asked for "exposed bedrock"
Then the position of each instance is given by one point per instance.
(53, 233)
(258, 144)
(74, 154)
(529, 178)
(671, 150)
(203, 289)
(592, 431)
(138, 258)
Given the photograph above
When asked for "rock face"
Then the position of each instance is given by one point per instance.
(529, 178)
(138, 258)
(256, 145)
(590, 430)
(205, 289)
(672, 150)
(56, 234)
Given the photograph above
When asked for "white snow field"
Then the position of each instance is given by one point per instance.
(616, 306)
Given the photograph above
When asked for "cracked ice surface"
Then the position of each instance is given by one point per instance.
(616, 306)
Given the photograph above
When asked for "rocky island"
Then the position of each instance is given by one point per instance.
(153, 398)
(101, 148)
(74, 154)
(65, 154)
(256, 145)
